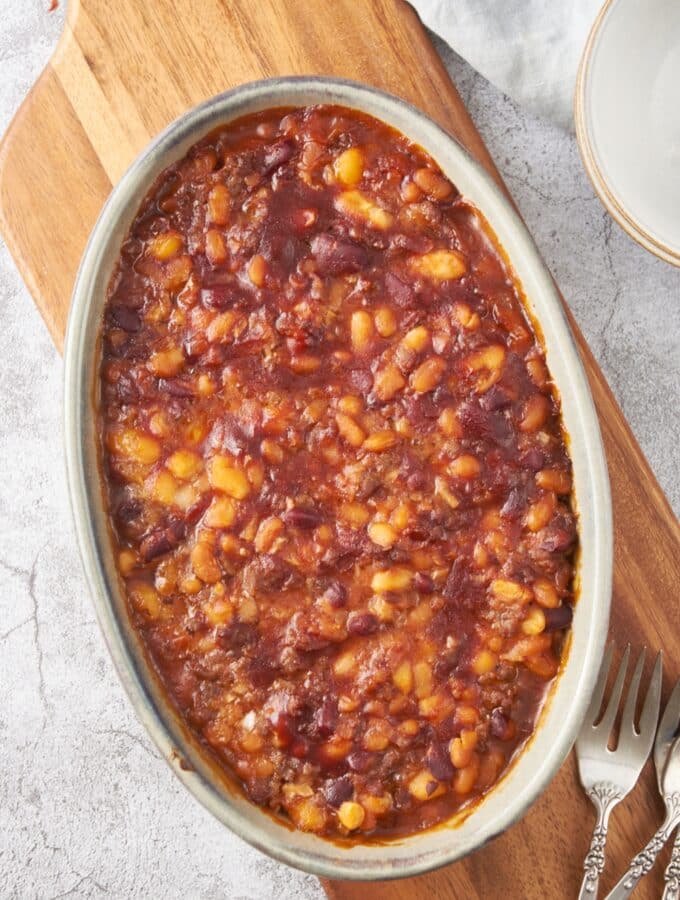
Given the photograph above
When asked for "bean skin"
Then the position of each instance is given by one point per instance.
(301, 517)
(423, 582)
(558, 618)
(336, 594)
(360, 761)
(337, 790)
(276, 155)
(438, 762)
(337, 257)
(362, 624)
(126, 318)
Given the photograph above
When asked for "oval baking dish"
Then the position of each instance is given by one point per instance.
(569, 694)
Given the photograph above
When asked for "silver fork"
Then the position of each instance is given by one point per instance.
(644, 860)
(609, 775)
(667, 762)
(662, 748)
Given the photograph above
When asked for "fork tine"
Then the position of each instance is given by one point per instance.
(671, 715)
(650, 710)
(666, 730)
(598, 693)
(628, 715)
(607, 721)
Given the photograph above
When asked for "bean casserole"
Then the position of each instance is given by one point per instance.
(336, 472)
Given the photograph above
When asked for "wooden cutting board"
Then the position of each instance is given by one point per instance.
(121, 73)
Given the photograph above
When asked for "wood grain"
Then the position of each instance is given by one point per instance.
(121, 73)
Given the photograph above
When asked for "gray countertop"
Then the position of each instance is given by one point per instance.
(87, 807)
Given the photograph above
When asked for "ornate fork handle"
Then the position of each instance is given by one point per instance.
(604, 797)
(643, 862)
(671, 890)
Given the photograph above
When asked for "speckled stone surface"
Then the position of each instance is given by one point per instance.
(87, 807)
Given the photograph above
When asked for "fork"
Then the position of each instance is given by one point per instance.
(667, 762)
(644, 860)
(662, 748)
(608, 775)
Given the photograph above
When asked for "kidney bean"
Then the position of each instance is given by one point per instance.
(411, 465)
(455, 580)
(421, 408)
(368, 487)
(236, 435)
(276, 155)
(214, 356)
(534, 459)
(126, 318)
(236, 635)
(302, 517)
(448, 728)
(402, 293)
(402, 798)
(559, 535)
(431, 787)
(423, 583)
(360, 761)
(326, 717)
(439, 763)
(499, 725)
(128, 511)
(335, 256)
(303, 634)
(495, 399)
(337, 561)
(195, 512)
(155, 544)
(350, 540)
(126, 389)
(484, 424)
(515, 503)
(414, 243)
(195, 346)
(563, 575)
(263, 671)
(558, 618)
(336, 594)
(362, 624)
(218, 297)
(175, 530)
(442, 396)
(175, 387)
(259, 790)
(337, 790)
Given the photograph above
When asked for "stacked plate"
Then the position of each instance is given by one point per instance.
(628, 119)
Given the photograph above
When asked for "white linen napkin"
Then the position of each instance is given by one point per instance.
(530, 49)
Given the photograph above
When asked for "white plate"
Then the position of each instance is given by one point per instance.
(627, 114)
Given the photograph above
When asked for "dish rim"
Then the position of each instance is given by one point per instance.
(614, 206)
(156, 715)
